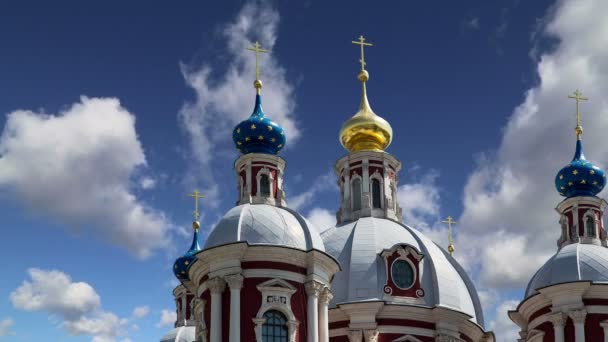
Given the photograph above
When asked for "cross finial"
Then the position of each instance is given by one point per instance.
(196, 195)
(362, 43)
(449, 221)
(257, 49)
(578, 97)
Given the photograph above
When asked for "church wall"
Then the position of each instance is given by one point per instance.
(341, 338)
(251, 301)
(593, 330)
(569, 331)
(206, 296)
(226, 315)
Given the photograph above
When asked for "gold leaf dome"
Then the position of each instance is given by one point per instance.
(365, 131)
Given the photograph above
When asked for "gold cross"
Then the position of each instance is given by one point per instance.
(450, 222)
(196, 195)
(362, 43)
(256, 48)
(578, 97)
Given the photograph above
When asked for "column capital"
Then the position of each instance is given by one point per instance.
(355, 335)
(325, 297)
(557, 318)
(235, 281)
(578, 316)
(313, 288)
(216, 285)
(371, 335)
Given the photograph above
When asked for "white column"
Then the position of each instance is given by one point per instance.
(324, 300)
(559, 320)
(604, 325)
(371, 335)
(235, 282)
(216, 286)
(355, 335)
(313, 289)
(578, 317)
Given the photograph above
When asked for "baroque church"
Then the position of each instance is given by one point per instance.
(266, 273)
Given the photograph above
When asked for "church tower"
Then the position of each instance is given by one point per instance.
(567, 299)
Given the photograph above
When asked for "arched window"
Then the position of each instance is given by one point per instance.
(264, 185)
(376, 198)
(403, 274)
(590, 225)
(356, 194)
(275, 327)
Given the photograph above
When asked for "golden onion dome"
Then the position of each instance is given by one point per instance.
(365, 131)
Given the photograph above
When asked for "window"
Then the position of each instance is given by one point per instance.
(356, 194)
(403, 274)
(264, 185)
(590, 225)
(376, 193)
(275, 327)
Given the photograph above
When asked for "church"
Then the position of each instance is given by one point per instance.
(265, 273)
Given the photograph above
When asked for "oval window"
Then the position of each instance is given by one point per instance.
(403, 274)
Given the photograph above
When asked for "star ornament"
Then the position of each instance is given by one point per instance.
(575, 172)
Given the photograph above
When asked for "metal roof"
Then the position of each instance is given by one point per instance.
(265, 224)
(357, 246)
(574, 262)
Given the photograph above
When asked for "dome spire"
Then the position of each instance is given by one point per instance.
(181, 265)
(257, 84)
(580, 177)
(449, 221)
(577, 96)
(365, 131)
(258, 134)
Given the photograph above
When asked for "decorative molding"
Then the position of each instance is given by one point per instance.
(355, 335)
(578, 316)
(557, 319)
(216, 285)
(313, 288)
(235, 281)
(325, 297)
(371, 335)
(276, 295)
(407, 338)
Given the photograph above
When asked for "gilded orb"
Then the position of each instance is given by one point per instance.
(257, 84)
(196, 225)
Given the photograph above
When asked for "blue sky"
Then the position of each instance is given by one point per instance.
(112, 112)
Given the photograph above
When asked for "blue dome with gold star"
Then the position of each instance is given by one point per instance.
(181, 264)
(580, 177)
(258, 134)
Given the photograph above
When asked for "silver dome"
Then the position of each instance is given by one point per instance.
(357, 246)
(265, 224)
(180, 334)
(574, 262)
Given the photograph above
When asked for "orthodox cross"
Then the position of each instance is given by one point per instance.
(450, 222)
(578, 96)
(362, 43)
(256, 48)
(196, 195)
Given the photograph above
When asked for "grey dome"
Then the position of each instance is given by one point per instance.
(357, 246)
(265, 224)
(180, 334)
(574, 262)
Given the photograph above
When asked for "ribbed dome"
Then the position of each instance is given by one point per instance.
(258, 134)
(265, 224)
(580, 177)
(180, 334)
(574, 262)
(358, 245)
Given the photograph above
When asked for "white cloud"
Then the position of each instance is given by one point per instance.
(167, 318)
(76, 303)
(54, 291)
(503, 328)
(322, 183)
(226, 97)
(509, 198)
(5, 327)
(420, 202)
(147, 183)
(76, 167)
(322, 218)
(141, 311)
